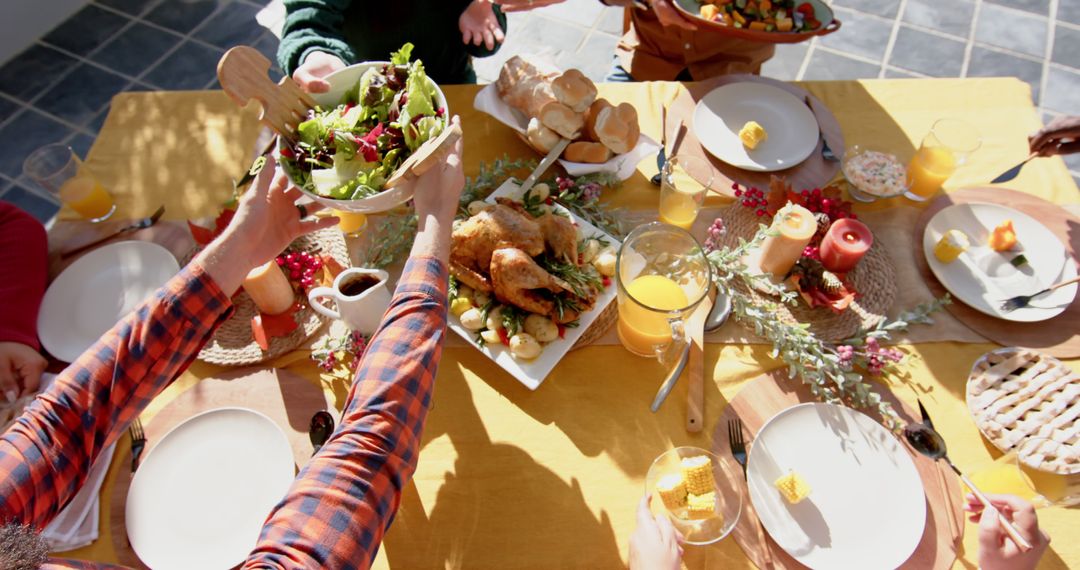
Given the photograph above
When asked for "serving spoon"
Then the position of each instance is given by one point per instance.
(322, 425)
(929, 442)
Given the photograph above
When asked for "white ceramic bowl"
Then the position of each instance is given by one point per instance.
(340, 82)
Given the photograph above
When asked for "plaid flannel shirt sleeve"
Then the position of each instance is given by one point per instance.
(344, 499)
(46, 455)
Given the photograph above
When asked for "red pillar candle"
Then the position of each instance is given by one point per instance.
(845, 244)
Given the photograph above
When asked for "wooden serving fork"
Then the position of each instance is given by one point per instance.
(244, 74)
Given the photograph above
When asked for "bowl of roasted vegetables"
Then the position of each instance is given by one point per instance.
(374, 117)
(769, 21)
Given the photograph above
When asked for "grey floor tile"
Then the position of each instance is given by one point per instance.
(1072, 161)
(1062, 91)
(785, 63)
(894, 73)
(884, 8)
(827, 65)
(927, 53)
(29, 73)
(1011, 29)
(588, 59)
(86, 29)
(1069, 11)
(860, 35)
(952, 17)
(8, 108)
(232, 25)
(191, 66)
(135, 49)
(545, 35)
(989, 63)
(267, 44)
(25, 133)
(133, 7)
(181, 15)
(581, 12)
(81, 144)
(81, 95)
(1066, 46)
(1040, 7)
(31, 202)
(611, 21)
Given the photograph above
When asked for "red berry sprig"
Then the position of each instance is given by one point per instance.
(300, 267)
(812, 252)
(752, 198)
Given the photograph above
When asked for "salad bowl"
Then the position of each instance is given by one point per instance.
(342, 82)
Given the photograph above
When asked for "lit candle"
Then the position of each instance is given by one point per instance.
(795, 226)
(845, 244)
(269, 288)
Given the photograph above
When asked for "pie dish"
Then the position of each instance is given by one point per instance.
(1015, 394)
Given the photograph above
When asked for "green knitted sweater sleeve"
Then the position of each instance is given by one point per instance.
(313, 25)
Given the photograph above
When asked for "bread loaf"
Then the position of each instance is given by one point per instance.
(590, 118)
(574, 90)
(584, 151)
(617, 127)
(540, 137)
(525, 86)
(562, 119)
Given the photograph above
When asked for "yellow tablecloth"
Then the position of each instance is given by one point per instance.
(510, 478)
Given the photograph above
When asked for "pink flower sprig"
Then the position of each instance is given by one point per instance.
(714, 235)
(873, 357)
(346, 350)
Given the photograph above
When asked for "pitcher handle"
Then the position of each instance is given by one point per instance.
(313, 298)
(679, 351)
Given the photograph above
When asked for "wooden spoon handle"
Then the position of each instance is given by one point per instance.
(1064, 283)
(1006, 525)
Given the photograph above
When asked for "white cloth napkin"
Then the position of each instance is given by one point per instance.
(622, 165)
(77, 525)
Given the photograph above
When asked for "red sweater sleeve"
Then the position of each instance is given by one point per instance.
(24, 263)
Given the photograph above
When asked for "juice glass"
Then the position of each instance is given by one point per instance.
(57, 169)
(662, 274)
(681, 196)
(944, 149)
(1015, 474)
(351, 223)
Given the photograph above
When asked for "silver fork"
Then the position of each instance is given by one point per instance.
(137, 225)
(138, 443)
(1021, 301)
(737, 443)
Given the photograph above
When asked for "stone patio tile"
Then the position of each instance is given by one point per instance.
(29, 73)
(927, 53)
(588, 59)
(1066, 47)
(1011, 29)
(860, 35)
(31, 202)
(895, 73)
(133, 7)
(136, 49)
(827, 66)
(1069, 11)
(785, 64)
(191, 66)
(232, 25)
(181, 15)
(86, 29)
(1062, 91)
(25, 133)
(1040, 7)
(82, 94)
(989, 63)
(952, 17)
(8, 108)
(581, 12)
(611, 21)
(883, 8)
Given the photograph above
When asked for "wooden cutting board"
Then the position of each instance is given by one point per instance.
(769, 394)
(814, 172)
(1059, 336)
(288, 399)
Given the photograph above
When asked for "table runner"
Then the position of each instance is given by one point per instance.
(551, 478)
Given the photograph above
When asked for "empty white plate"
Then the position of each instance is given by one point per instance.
(982, 278)
(791, 126)
(202, 494)
(866, 507)
(96, 291)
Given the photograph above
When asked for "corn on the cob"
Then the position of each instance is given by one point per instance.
(701, 506)
(697, 472)
(792, 487)
(672, 491)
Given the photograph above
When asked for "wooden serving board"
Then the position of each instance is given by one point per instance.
(1059, 336)
(814, 172)
(288, 399)
(769, 394)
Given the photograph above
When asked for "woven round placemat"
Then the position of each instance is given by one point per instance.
(233, 343)
(873, 279)
(599, 327)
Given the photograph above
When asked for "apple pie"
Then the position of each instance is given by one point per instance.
(1015, 394)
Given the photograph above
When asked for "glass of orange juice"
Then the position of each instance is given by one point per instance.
(681, 196)
(944, 149)
(351, 223)
(662, 274)
(1024, 472)
(57, 169)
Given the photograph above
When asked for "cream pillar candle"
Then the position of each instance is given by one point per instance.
(795, 226)
(269, 288)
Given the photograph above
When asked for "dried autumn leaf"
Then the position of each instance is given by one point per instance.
(780, 193)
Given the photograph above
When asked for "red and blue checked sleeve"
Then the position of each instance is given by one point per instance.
(344, 499)
(46, 455)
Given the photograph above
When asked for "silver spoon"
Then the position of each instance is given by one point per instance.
(929, 442)
(322, 425)
(718, 314)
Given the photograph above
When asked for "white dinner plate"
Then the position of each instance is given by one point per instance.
(531, 373)
(866, 507)
(96, 291)
(202, 494)
(983, 278)
(791, 126)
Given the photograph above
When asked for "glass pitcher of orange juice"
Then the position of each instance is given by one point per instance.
(944, 149)
(57, 169)
(662, 274)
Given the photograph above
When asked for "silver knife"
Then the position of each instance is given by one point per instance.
(550, 159)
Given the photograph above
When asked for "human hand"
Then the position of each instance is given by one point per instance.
(522, 5)
(655, 542)
(438, 190)
(479, 24)
(1061, 136)
(996, 549)
(20, 370)
(316, 66)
